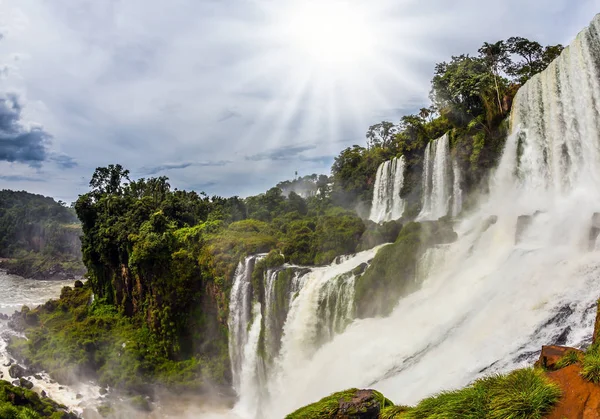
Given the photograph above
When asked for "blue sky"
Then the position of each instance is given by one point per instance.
(215, 94)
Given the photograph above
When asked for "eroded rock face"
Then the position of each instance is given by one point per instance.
(580, 398)
(552, 354)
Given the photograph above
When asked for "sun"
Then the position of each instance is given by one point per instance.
(329, 33)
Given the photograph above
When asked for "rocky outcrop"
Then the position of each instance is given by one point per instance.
(349, 404)
(580, 398)
(550, 356)
(17, 371)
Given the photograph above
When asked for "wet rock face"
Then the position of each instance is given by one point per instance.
(17, 371)
(25, 383)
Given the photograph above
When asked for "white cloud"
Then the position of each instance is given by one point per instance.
(155, 84)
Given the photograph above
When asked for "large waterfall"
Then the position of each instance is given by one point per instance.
(437, 184)
(301, 310)
(491, 299)
(387, 202)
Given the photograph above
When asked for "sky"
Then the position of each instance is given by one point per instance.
(228, 97)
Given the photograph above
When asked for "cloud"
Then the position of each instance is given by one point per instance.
(18, 178)
(184, 165)
(19, 143)
(281, 153)
(64, 161)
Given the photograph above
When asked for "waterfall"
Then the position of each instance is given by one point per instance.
(240, 308)
(304, 308)
(436, 175)
(457, 199)
(387, 204)
(487, 303)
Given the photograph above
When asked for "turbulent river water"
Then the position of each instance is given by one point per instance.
(15, 293)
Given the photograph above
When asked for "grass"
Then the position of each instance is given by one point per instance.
(521, 394)
(570, 358)
(590, 369)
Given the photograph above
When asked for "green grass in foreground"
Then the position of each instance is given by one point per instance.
(521, 394)
(590, 369)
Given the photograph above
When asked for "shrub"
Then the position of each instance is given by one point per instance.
(523, 394)
(591, 364)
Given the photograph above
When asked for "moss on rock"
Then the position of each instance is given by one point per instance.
(392, 273)
(348, 404)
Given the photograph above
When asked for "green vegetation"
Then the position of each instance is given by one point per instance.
(590, 369)
(73, 338)
(570, 358)
(333, 406)
(39, 236)
(19, 403)
(521, 394)
(393, 271)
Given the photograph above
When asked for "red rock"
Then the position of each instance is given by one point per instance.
(551, 354)
(580, 398)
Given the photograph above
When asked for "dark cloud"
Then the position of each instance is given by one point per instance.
(25, 144)
(17, 142)
(282, 153)
(173, 166)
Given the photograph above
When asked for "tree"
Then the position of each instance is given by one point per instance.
(463, 88)
(534, 58)
(381, 135)
(495, 56)
(108, 180)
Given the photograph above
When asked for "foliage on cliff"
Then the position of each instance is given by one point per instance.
(41, 236)
(471, 96)
(20, 403)
(73, 338)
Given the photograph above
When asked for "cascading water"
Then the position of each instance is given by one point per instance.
(387, 202)
(303, 309)
(457, 199)
(240, 311)
(436, 180)
(488, 302)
